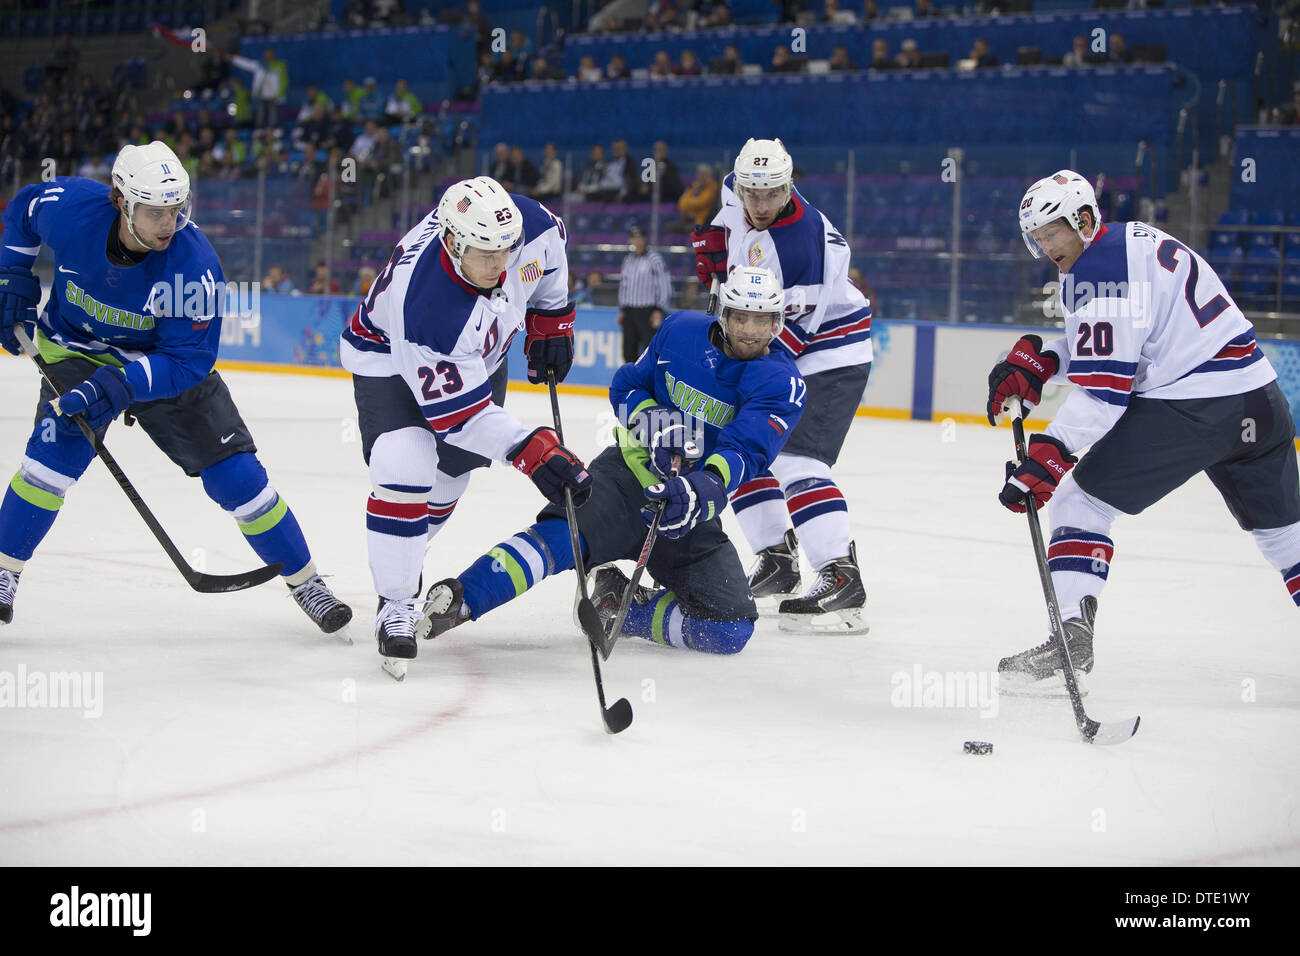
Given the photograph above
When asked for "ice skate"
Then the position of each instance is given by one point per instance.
(834, 603)
(319, 603)
(396, 623)
(444, 608)
(8, 589)
(1038, 671)
(608, 584)
(776, 574)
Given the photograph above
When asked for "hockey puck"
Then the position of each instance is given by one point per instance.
(977, 747)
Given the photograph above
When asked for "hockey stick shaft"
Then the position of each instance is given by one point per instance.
(1090, 730)
(616, 718)
(204, 583)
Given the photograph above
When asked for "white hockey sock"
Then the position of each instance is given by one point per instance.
(760, 509)
(403, 465)
(821, 520)
(1080, 550)
(1281, 548)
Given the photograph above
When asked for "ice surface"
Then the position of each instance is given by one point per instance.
(233, 732)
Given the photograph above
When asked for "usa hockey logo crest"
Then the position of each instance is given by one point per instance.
(755, 255)
(462, 205)
(531, 272)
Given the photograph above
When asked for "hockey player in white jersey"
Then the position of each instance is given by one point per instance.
(765, 222)
(1169, 382)
(427, 350)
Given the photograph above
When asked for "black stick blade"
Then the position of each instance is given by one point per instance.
(589, 619)
(221, 583)
(1114, 732)
(617, 717)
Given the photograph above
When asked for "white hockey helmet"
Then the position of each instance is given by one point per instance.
(152, 175)
(764, 164)
(480, 213)
(752, 289)
(1062, 195)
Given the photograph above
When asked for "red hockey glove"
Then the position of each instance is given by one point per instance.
(1047, 463)
(549, 344)
(710, 244)
(552, 467)
(1022, 373)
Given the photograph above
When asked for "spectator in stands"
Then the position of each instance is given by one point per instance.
(309, 168)
(925, 10)
(979, 52)
(315, 130)
(833, 13)
(790, 9)
(214, 73)
(597, 289)
(95, 168)
(869, 11)
(365, 279)
(729, 64)
(540, 69)
(208, 168)
(1288, 114)
(1079, 54)
(322, 284)
(909, 57)
(207, 140)
(880, 58)
(644, 292)
(230, 146)
(362, 149)
(617, 68)
(688, 65)
(783, 62)
(356, 14)
(619, 172)
(185, 153)
(351, 98)
(700, 199)
(500, 164)
(268, 149)
(662, 67)
(863, 286)
(588, 71)
(521, 48)
(64, 62)
(591, 179)
(522, 174)
(228, 167)
(668, 19)
(403, 106)
(315, 96)
(840, 62)
(1119, 49)
(689, 296)
(240, 109)
(579, 294)
(479, 23)
(370, 105)
(716, 14)
(341, 134)
(550, 183)
(270, 84)
(277, 282)
(666, 174)
(507, 69)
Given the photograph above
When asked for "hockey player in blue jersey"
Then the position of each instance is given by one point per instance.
(132, 325)
(1169, 382)
(711, 382)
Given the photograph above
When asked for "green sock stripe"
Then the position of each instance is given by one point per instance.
(657, 622)
(724, 469)
(35, 496)
(267, 521)
(503, 557)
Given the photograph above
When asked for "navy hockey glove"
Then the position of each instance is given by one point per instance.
(710, 245)
(100, 398)
(663, 432)
(552, 467)
(687, 500)
(20, 293)
(1022, 373)
(1047, 462)
(549, 344)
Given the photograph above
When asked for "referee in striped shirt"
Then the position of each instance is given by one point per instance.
(643, 293)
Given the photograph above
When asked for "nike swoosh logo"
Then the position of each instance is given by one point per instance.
(663, 362)
(69, 271)
(228, 437)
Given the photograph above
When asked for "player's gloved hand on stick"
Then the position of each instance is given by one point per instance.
(1046, 463)
(664, 434)
(1022, 373)
(20, 293)
(100, 398)
(549, 344)
(688, 500)
(551, 466)
(710, 244)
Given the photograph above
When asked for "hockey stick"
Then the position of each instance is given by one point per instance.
(204, 583)
(618, 716)
(1091, 731)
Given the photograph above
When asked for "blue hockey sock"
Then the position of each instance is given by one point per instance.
(516, 564)
(239, 484)
(26, 515)
(663, 621)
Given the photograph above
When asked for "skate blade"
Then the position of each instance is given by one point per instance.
(343, 634)
(1048, 688)
(846, 621)
(394, 667)
(770, 605)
